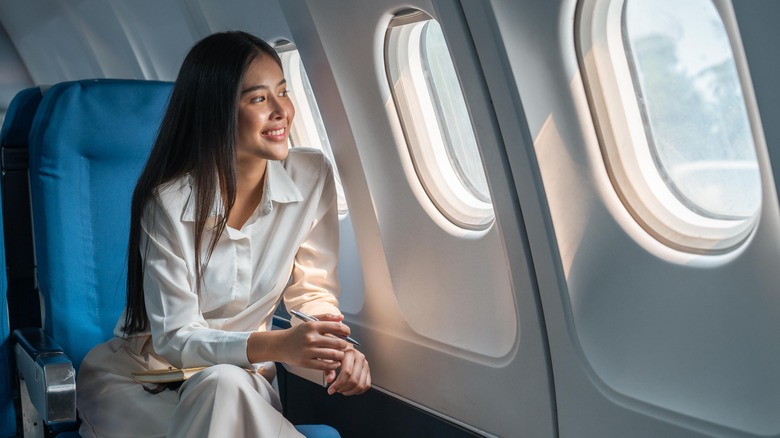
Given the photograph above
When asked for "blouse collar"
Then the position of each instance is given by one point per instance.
(279, 187)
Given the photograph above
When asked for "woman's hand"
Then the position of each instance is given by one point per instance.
(313, 345)
(354, 376)
(309, 345)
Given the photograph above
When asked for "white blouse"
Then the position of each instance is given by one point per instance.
(288, 248)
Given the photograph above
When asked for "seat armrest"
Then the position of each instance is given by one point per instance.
(48, 375)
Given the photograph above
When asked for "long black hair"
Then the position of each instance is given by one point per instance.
(197, 136)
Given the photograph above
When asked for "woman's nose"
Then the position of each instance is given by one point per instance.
(279, 109)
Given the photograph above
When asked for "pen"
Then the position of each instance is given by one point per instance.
(309, 318)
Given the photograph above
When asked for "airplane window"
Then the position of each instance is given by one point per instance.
(689, 92)
(435, 120)
(308, 129)
(681, 151)
(442, 81)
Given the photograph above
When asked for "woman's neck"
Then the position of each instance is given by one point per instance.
(250, 185)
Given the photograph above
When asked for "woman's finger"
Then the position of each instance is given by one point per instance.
(353, 376)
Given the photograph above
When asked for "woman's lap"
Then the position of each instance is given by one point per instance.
(112, 404)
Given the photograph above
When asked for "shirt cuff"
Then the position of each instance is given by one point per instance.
(232, 348)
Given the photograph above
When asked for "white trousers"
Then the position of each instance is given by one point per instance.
(220, 401)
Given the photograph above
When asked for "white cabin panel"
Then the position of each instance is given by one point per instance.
(649, 340)
(449, 318)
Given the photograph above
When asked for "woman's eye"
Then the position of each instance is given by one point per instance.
(258, 99)
(284, 93)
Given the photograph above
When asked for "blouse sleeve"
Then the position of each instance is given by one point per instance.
(180, 333)
(314, 286)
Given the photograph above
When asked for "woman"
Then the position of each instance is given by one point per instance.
(225, 224)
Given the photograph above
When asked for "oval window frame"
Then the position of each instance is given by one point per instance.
(423, 134)
(610, 87)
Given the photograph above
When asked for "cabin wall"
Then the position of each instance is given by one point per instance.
(449, 307)
(147, 39)
(642, 336)
(13, 73)
(757, 20)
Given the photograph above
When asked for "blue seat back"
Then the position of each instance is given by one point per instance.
(88, 143)
(23, 306)
(18, 301)
(7, 416)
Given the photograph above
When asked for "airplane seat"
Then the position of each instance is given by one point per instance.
(88, 144)
(23, 305)
(19, 300)
(7, 413)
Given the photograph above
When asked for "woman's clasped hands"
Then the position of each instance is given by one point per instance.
(315, 345)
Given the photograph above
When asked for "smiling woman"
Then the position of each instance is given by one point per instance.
(225, 224)
(265, 114)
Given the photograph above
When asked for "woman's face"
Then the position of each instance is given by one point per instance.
(265, 112)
